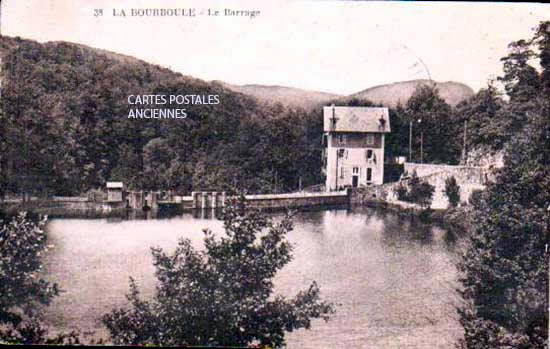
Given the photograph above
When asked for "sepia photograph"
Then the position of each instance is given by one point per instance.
(278, 174)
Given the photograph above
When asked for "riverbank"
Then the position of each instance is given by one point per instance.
(201, 205)
(455, 219)
(158, 202)
(73, 207)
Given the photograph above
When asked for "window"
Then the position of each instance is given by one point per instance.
(356, 170)
(369, 154)
(342, 153)
(369, 174)
(342, 172)
(370, 139)
(341, 139)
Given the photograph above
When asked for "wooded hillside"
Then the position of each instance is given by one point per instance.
(65, 128)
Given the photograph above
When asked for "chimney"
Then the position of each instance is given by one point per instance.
(382, 122)
(333, 119)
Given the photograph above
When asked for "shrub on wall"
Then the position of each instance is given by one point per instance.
(452, 190)
(418, 192)
(401, 192)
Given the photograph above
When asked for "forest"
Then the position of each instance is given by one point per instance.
(65, 129)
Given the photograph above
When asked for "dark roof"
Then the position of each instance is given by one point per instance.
(356, 119)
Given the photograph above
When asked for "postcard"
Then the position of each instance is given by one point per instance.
(290, 173)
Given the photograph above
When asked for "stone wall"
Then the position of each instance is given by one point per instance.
(467, 177)
(467, 174)
(298, 200)
(200, 200)
(65, 206)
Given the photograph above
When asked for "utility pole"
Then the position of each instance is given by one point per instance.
(421, 142)
(410, 140)
(422, 147)
(464, 143)
(337, 155)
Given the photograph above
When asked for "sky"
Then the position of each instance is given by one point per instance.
(333, 46)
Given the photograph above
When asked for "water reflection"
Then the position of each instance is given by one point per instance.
(394, 278)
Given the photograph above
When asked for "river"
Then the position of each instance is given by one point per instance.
(393, 280)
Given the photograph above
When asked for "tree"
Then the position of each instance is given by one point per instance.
(22, 291)
(542, 40)
(521, 80)
(3, 161)
(416, 191)
(452, 190)
(22, 241)
(436, 139)
(222, 295)
(128, 167)
(505, 267)
(419, 191)
(157, 156)
(487, 125)
(401, 192)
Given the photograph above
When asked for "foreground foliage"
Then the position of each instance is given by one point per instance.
(505, 267)
(22, 291)
(222, 295)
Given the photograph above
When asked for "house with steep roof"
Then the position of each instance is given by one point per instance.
(354, 145)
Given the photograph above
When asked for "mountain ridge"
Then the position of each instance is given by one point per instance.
(399, 92)
(389, 95)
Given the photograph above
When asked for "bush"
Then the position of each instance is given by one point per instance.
(475, 197)
(425, 215)
(452, 190)
(22, 241)
(222, 296)
(419, 192)
(401, 192)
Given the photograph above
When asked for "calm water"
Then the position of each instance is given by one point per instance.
(394, 281)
